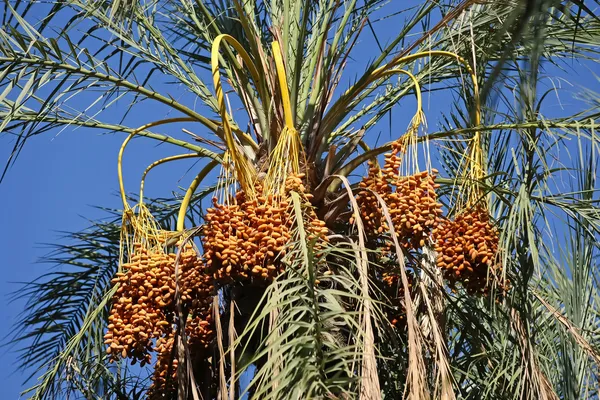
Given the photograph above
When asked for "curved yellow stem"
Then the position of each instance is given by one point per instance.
(285, 94)
(126, 142)
(285, 156)
(120, 170)
(458, 58)
(244, 56)
(190, 192)
(244, 170)
(378, 74)
(386, 69)
(159, 162)
(417, 88)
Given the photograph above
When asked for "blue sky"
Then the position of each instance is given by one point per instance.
(60, 176)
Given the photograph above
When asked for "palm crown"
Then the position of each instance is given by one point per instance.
(305, 280)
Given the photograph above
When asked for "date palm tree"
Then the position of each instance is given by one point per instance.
(365, 297)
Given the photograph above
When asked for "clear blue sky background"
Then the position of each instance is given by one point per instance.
(60, 176)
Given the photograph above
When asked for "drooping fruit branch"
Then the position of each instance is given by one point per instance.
(190, 192)
(285, 157)
(244, 168)
(160, 162)
(126, 142)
